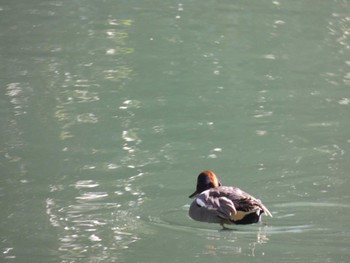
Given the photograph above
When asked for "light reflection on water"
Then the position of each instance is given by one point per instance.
(230, 243)
(98, 219)
(91, 222)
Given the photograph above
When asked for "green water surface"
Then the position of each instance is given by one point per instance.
(110, 109)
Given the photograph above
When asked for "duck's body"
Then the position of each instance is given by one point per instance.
(224, 204)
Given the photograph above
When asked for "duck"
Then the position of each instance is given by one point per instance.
(225, 205)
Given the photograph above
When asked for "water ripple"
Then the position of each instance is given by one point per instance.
(87, 118)
(86, 184)
(311, 204)
(92, 196)
(96, 220)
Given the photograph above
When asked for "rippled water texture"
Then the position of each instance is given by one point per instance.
(110, 109)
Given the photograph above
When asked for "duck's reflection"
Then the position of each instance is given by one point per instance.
(236, 242)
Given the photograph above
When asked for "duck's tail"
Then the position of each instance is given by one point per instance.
(265, 210)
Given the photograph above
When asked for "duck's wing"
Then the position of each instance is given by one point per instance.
(244, 201)
(216, 206)
(233, 203)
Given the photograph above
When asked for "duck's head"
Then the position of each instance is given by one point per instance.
(206, 180)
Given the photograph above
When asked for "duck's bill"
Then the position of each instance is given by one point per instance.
(194, 194)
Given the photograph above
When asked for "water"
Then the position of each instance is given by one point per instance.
(110, 109)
